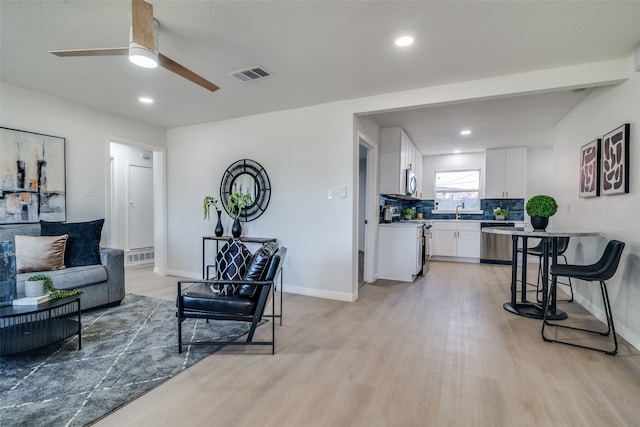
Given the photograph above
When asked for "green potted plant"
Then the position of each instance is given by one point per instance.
(407, 213)
(500, 213)
(49, 289)
(540, 208)
(206, 207)
(236, 203)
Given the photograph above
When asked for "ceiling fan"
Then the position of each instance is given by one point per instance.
(143, 50)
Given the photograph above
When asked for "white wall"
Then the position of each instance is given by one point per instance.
(616, 217)
(308, 151)
(540, 163)
(87, 132)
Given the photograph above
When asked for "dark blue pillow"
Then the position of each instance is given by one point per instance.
(83, 245)
(233, 259)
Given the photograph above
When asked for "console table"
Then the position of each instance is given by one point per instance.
(25, 327)
(243, 239)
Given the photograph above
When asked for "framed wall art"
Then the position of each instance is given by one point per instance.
(32, 177)
(590, 169)
(614, 166)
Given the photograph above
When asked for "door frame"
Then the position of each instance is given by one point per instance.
(371, 209)
(159, 198)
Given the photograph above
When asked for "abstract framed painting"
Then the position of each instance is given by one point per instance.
(590, 169)
(32, 177)
(614, 166)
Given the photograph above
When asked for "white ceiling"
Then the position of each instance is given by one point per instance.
(319, 51)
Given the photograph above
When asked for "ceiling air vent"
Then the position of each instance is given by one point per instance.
(251, 74)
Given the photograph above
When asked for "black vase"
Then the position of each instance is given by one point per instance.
(539, 223)
(236, 230)
(219, 229)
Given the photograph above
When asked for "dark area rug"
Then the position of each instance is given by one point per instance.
(126, 351)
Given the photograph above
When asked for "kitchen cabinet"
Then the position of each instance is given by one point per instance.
(399, 251)
(505, 173)
(397, 154)
(456, 239)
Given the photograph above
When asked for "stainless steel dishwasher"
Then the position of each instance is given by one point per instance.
(495, 248)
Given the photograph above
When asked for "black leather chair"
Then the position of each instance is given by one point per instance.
(601, 271)
(538, 250)
(196, 300)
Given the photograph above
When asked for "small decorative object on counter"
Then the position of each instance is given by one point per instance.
(500, 213)
(7, 273)
(407, 213)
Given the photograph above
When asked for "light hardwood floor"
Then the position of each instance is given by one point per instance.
(438, 352)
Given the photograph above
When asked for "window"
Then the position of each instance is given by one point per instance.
(454, 188)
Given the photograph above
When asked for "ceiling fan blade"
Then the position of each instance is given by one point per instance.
(91, 52)
(173, 66)
(142, 24)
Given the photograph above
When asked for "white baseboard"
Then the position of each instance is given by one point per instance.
(319, 293)
(185, 274)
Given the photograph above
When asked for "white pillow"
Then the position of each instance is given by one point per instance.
(40, 253)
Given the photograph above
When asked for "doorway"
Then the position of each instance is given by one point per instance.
(367, 210)
(132, 202)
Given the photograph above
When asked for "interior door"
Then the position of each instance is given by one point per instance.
(140, 209)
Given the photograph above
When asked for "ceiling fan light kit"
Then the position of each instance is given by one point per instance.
(142, 56)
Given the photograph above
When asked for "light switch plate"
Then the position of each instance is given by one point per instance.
(329, 194)
(343, 191)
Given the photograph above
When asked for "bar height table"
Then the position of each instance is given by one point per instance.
(550, 238)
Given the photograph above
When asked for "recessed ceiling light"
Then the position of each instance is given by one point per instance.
(456, 151)
(404, 41)
(145, 100)
(465, 132)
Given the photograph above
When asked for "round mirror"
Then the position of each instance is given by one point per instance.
(246, 177)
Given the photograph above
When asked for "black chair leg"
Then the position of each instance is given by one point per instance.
(610, 326)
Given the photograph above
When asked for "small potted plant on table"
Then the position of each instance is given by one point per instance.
(236, 203)
(206, 207)
(540, 208)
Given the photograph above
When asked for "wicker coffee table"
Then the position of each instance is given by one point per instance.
(24, 328)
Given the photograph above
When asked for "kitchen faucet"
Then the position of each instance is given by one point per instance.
(457, 214)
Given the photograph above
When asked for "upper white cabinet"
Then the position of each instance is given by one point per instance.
(505, 173)
(397, 154)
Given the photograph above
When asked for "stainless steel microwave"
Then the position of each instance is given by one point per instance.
(411, 184)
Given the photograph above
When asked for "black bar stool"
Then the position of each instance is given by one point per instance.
(602, 270)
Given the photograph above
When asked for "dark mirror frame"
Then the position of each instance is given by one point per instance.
(262, 188)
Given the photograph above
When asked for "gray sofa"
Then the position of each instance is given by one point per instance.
(101, 284)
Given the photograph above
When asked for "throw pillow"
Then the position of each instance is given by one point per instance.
(83, 247)
(233, 259)
(257, 270)
(40, 253)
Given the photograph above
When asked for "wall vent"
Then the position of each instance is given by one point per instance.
(141, 256)
(251, 74)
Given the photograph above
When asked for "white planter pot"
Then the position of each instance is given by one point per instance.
(33, 288)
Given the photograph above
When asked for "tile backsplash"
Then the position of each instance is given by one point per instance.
(514, 208)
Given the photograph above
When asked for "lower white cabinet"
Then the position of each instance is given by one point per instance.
(399, 251)
(456, 239)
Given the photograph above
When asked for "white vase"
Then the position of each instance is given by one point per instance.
(33, 288)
